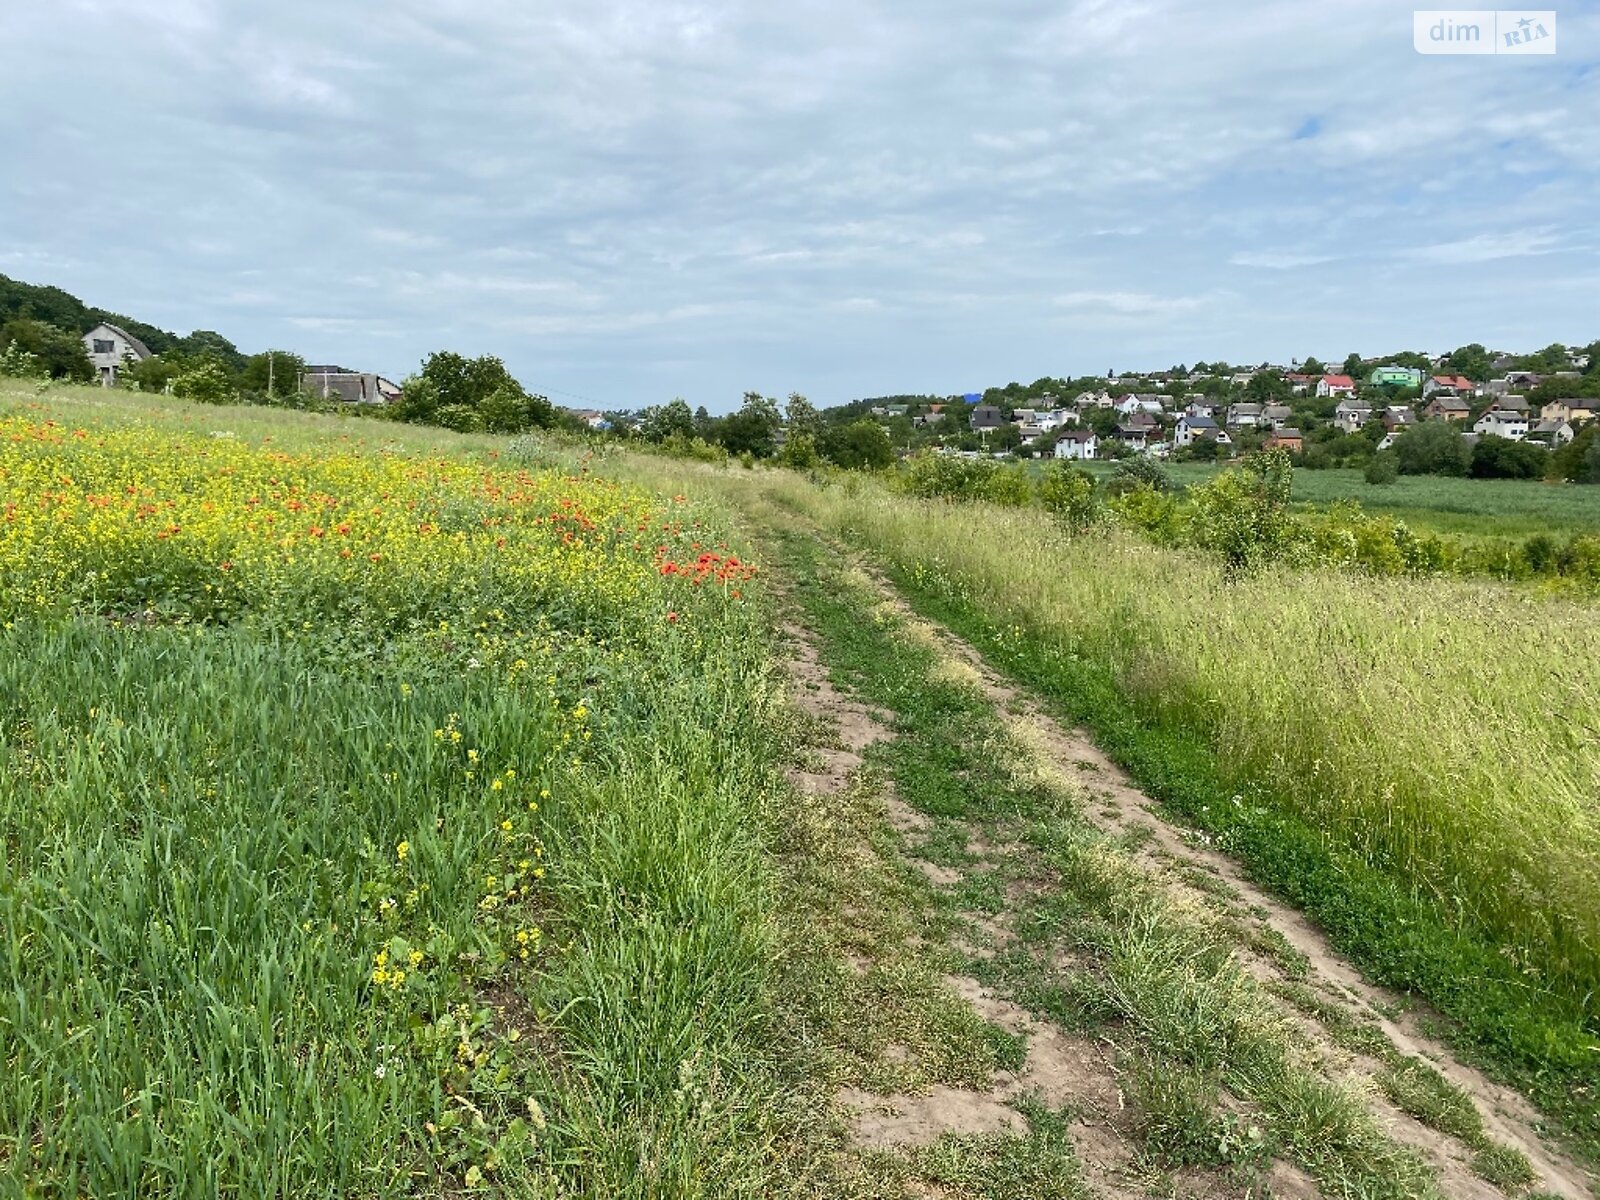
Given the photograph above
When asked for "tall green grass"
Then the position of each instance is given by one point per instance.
(1417, 761)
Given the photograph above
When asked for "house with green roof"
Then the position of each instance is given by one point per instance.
(1406, 377)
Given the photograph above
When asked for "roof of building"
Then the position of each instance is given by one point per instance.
(355, 387)
(1340, 381)
(139, 347)
(1199, 422)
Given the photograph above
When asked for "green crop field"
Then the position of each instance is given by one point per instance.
(1460, 507)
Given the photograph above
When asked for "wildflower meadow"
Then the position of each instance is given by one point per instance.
(373, 821)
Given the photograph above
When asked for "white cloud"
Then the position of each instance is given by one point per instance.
(1281, 261)
(1130, 304)
(843, 198)
(1486, 247)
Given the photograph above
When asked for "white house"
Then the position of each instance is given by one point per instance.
(1553, 433)
(1501, 423)
(1077, 444)
(109, 347)
(1135, 437)
(1244, 415)
(1352, 415)
(1191, 429)
(1336, 385)
(1278, 416)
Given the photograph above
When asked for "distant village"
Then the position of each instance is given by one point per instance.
(1204, 413)
(1200, 415)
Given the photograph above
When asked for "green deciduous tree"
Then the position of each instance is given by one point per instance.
(860, 445)
(1473, 360)
(1268, 387)
(1553, 357)
(274, 374)
(801, 417)
(60, 352)
(672, 419)
(753, 430)
(1579, 460)
(1433, 448)
(469, 394)
(1501, 458)
(1071, 493)
(156, 373)
(210, 344)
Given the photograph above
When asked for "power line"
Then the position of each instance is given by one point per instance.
(546, 391)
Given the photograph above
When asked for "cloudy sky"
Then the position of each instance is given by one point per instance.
(629, 200)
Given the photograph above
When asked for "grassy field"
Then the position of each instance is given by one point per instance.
(391, 813)
(377, 817)
(1394, 755)
(1468, 508)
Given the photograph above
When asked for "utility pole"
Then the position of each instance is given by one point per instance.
(269, 374)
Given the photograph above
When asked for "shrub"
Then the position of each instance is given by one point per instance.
(1153, 513)
(458, 417)
(1580, 559)
(1541, 553)
(1140, 472)
(945, 476)
(680, 446)
(1009, 486)
(17, 363)
(1384, 469)
(1242, 515)
(207, 381)
(800, 452)
(1071, 493)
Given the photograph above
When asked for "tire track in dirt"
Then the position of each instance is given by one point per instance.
(1060, 1070)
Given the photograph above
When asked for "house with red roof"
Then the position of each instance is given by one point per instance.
(1455, 385)
(1336, 385)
